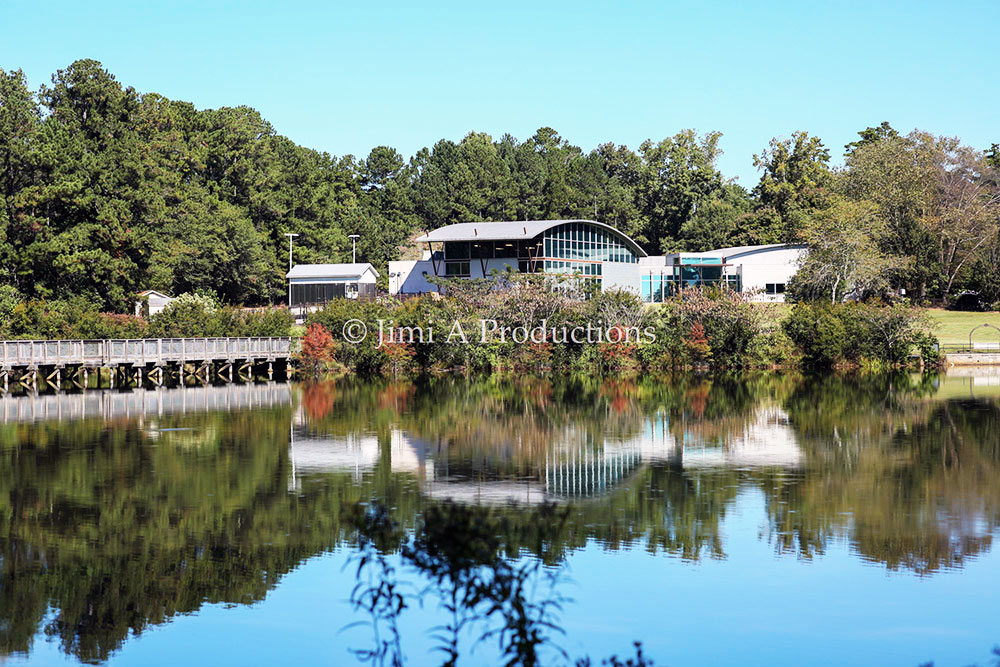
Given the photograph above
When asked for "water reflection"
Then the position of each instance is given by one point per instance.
(120, 510)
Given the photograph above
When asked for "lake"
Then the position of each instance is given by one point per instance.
(754, 519)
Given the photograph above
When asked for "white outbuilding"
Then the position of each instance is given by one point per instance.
(317, 284)
(150, 302)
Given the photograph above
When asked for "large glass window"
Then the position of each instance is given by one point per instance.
(456, 250)
(456, 269)
(505, 249)
(583, 242)
(482, 250)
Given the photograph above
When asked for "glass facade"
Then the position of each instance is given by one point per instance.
(661, 285)
(583, 242)
(573, 248)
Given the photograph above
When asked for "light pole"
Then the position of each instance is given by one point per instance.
(354, 247)
(290, 237)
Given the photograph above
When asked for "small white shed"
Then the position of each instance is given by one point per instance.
(316, 284)
(157, 301)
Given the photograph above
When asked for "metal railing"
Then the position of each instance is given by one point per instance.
(141, 351)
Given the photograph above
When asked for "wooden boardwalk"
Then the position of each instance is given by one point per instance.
(153, 360)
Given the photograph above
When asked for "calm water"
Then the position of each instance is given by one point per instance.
(763, 519)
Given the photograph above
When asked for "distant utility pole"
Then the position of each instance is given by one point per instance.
(354, 247)
(290, 237)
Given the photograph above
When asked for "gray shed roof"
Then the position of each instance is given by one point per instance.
(330, 270)
(513, 230)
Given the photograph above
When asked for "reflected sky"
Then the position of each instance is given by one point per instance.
(760, 519)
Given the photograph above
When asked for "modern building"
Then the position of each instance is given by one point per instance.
(764, 270)
(584, 248)
(316, 284)
(592, 251)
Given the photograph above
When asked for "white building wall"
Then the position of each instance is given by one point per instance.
(760, 267)
(620, 275)
(158, 303)
(407, 277)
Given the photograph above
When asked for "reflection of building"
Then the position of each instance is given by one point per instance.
(767, 441)
(356, 453)
(591, 251)
(574, 466)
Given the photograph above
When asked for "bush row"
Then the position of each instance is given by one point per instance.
(860, 333)
(190, 315)
(530, 326)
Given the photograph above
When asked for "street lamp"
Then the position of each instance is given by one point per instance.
(290, 237)
(354, 247)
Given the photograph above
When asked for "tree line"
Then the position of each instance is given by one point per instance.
(105, 191)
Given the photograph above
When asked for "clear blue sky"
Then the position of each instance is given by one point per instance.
(347, 77)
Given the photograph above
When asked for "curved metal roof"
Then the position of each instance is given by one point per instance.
(512, 231)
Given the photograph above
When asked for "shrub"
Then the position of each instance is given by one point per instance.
(818, 331)
(188, 315)
(701, 324)
(698, 348)
(75, 318)
(363, 357)
(828, 334)
(318, 351)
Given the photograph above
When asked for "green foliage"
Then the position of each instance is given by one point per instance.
(699, 325)
(198, 314)
(105, 191)
(9, 299)
(828, 334)
(871, 135)
(74, 318)
(364, 357)
(844, 255)
(793, 186)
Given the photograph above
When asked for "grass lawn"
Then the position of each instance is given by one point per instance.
(954, 326)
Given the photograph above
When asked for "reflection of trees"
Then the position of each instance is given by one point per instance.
(117, 528)
(118, 525)
(910, 483)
